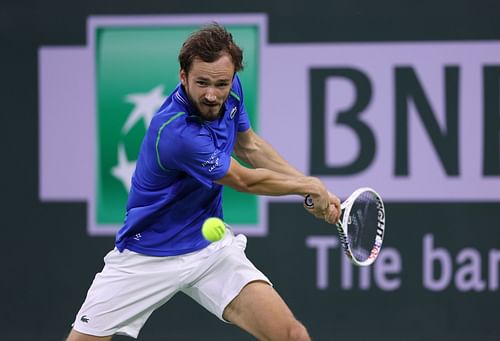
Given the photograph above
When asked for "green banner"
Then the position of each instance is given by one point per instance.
(136, 68)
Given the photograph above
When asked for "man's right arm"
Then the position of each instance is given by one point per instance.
(263, 181)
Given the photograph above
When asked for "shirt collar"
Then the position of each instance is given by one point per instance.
(181, 96)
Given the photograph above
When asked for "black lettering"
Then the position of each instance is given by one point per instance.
(491, 136)
(445, 141)
(349, 117)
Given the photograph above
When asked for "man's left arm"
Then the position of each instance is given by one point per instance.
(258, 153)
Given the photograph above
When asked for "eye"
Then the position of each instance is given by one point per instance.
(201, 82)
(222, 85)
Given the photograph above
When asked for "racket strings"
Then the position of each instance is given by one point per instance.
(362, 229)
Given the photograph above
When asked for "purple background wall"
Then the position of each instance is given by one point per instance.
(440, 277)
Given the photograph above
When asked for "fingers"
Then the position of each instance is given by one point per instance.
(330, 215)
(335, 202)
(323, 204)
(333, 215)
(330, 212)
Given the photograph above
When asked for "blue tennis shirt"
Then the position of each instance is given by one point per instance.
(173, 189)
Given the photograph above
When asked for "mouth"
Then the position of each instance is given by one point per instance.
(209, 111)
(212, 105)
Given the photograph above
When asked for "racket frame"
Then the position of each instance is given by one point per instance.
(343, 225)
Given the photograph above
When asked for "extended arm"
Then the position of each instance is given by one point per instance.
(268, 182)
(273, 175)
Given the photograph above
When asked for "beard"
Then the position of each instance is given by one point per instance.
(209, 111)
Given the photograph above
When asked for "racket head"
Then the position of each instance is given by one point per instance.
(362, 227)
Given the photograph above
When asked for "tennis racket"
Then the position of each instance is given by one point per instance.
(361, 226)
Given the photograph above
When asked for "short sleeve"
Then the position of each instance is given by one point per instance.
(197, 156)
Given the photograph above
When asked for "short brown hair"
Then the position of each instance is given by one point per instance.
(208, 44)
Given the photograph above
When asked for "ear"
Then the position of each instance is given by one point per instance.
(183, 77)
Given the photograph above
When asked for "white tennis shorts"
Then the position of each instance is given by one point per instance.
(132, 285)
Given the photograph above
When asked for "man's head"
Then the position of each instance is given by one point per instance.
(209, 44)
(209, 58)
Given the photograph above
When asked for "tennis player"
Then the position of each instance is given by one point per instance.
(184, 162)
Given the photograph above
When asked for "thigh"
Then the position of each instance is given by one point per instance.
(221, 272)
(123, 296)
(261, 311)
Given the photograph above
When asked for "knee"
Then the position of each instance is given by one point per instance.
(297, 332)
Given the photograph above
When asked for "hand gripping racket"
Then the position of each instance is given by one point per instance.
(361, 226)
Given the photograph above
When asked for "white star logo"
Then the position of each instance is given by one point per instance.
(124, 169)
(145, 105)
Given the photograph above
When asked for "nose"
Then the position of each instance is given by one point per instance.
(210, 95)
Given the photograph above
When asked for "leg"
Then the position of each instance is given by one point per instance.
(259, 310)
(77, 336)
(123, 295)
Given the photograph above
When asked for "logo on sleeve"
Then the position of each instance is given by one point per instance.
(212, 162)
(233, 112)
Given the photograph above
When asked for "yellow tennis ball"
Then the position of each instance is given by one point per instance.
(213, 229)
